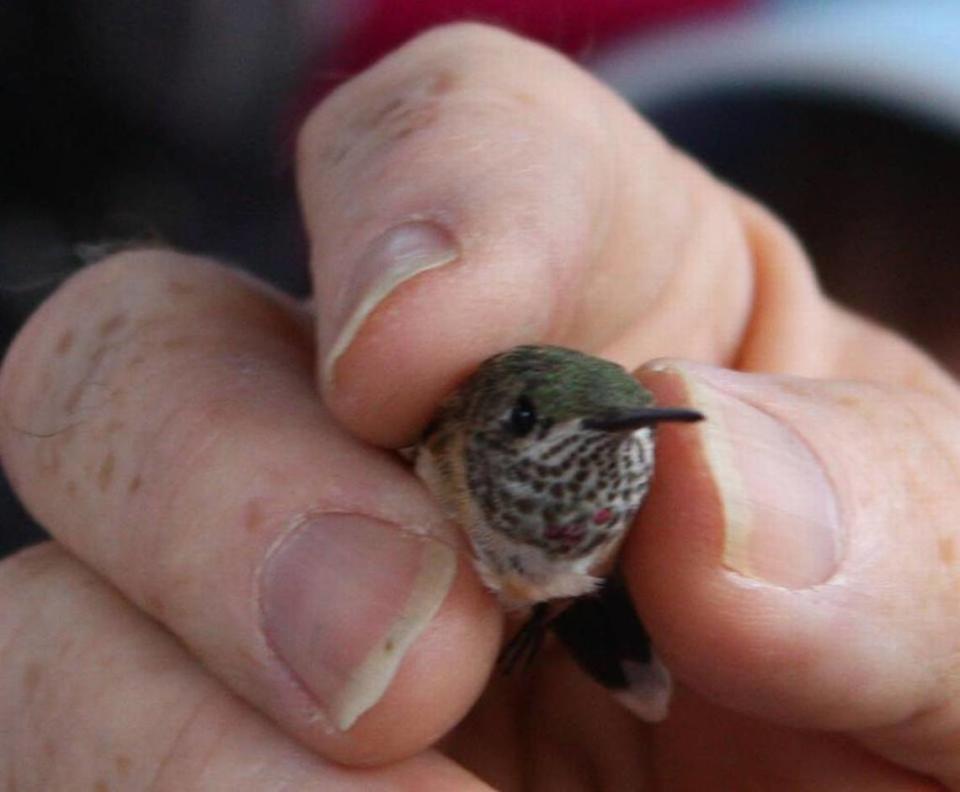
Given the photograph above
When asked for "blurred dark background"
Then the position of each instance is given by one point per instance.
(172, 120)
(153, 119)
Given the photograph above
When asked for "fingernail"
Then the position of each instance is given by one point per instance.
(344, 598)
(781, 521)
(390, 259)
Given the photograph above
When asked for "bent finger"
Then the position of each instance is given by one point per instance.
(161, 421)
(474, 191)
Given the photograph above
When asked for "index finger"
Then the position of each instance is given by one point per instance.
(158, 418)
(474, 191)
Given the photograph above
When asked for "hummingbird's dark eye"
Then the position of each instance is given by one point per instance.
(523, 417)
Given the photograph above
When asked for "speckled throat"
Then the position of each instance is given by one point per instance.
(566, 494)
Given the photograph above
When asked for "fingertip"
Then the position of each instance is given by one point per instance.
(683, 493)
(417, 346)
(747, 643)
(438, 682)
(753, 593)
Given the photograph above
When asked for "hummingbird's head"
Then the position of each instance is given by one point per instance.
(531, 394)
(557, 448)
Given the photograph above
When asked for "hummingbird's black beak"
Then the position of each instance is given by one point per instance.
(625, 420)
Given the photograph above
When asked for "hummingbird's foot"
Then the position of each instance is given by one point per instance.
(528, 640)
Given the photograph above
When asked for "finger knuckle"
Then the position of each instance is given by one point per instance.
(376, 111)
(410, 90)
(93, 316)
(68, 375)
(110, 272)
(99, 300)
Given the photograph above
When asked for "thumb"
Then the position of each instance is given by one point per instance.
(797, 558)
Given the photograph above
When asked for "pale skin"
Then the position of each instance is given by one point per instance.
(798, 561)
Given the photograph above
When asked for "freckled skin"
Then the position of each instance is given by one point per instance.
(105, 474)
(65, 343)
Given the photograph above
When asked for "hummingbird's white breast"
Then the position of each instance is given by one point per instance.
(546, 522)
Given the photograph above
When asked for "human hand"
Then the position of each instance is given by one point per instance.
(293, 602)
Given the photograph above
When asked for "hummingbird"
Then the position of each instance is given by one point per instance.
(544, 455)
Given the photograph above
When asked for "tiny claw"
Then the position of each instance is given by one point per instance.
(525, 645)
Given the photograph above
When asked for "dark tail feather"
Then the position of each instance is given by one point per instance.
(607, 639)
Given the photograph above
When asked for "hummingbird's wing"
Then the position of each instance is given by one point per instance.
(607, 639)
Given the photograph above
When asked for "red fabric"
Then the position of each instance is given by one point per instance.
(576, 27)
